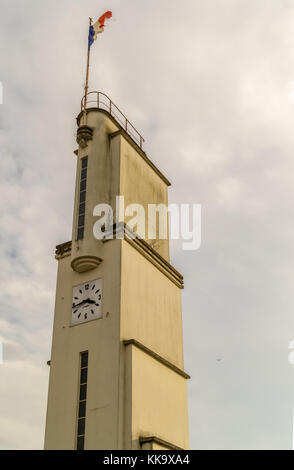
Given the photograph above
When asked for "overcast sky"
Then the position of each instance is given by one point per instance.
(207, 84)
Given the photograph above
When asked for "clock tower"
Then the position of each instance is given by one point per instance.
(117, 378)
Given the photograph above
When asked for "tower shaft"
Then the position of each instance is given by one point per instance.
(117, 377)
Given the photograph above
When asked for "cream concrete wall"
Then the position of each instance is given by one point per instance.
(140, 184)
(101, 338)
(150, 306)
(159, 401)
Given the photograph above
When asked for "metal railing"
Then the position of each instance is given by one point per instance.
(97, 99)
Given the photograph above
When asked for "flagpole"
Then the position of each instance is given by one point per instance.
(87, 81)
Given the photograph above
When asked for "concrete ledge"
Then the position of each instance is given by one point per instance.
(82, 264)
(157, 260)
(159, 441)
(63, 250)
(156, 356)
(141, 152)
(140, 245)
(123, 232)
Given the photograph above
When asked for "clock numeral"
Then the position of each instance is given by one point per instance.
(92, 311)
(86, 316)
(79, 315)
(97, 291)
(81, 291)
(87, 287)
(93, 287)
(99, 298)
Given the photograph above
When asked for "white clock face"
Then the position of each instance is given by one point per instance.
(86, 302)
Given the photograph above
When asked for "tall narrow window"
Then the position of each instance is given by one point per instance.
(81, 428)
(82, 198)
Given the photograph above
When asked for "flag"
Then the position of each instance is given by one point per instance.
(97, 27)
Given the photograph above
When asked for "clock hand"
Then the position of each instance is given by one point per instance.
(77, 305)
(88, 301)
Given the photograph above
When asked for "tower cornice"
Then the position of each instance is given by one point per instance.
(157, 357)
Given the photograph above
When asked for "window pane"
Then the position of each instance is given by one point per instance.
(82, 208)
(83, 392)
(81, 233)
(82, 409)
(84, 359)
(82, 196)
(84, 375)
(81, 443)
(83, 185)
(81, 426)
(84, 174)
(85, 162)
(81, 220)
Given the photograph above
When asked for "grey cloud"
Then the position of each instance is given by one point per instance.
(207, 85)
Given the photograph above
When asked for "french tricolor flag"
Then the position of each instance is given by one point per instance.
(98, 27)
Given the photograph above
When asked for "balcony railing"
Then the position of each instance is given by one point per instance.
(97, 99)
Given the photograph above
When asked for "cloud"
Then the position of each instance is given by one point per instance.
(207, 85)
(23, 387)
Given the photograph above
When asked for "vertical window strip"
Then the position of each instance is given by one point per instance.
(82, 198)
(81, 425)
